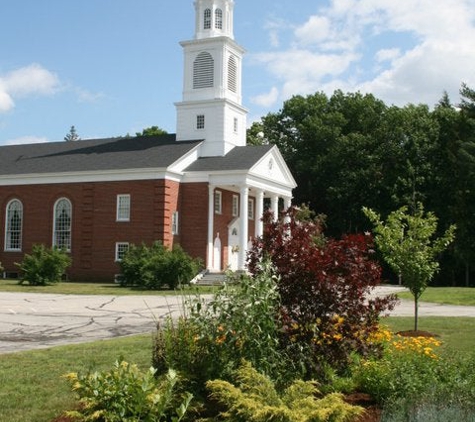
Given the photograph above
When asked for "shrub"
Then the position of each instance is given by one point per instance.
(412, 379)
(324, 286)
(125, 394)
(255, 399)
(238, 322)
(157, 267)
(44, 266)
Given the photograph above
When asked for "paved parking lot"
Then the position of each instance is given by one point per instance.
(32, 321)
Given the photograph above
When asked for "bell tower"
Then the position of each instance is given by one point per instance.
(211, 108)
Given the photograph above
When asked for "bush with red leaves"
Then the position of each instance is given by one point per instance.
(324, 285)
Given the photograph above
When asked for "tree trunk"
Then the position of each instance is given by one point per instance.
(416, 313)
(467, 274)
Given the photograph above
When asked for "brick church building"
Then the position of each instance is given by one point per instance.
(202, 188)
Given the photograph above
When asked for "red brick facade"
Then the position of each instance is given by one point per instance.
(95, 229)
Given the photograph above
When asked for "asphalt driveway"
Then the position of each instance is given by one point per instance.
(33, 321)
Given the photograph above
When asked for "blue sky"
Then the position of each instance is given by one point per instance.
(112, 67)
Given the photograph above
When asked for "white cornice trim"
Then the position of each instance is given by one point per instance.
(92, 176)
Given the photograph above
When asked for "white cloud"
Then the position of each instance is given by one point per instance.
(401, 51)
(25, 81)
(32, 79)
(6, 102)
(26, 140)
(267, 100)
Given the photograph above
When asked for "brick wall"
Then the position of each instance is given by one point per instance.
(95, 230)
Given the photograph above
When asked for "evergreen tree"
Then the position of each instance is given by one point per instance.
(72, 135)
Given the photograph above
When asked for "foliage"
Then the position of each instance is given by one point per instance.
(350, 150)
(157, 267)
(44, 266)
(412, 371)
(324, 286)
(408, 244)
(239, 322)
(151, 131)
(72, 135)
(428, 411)
(1, 268)
(125, 394)
(254, 398)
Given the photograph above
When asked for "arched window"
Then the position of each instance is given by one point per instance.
(218, 19)
(232, 74)
(62, 224)
(13, 225)
(207, 20)
(203, 71)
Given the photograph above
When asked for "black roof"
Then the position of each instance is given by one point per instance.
(239, 158)
(93, 155)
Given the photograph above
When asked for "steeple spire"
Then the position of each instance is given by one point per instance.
(211, 107)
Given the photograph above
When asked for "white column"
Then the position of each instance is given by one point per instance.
(209, 259)
(275, 206)
(259, 212)
(244, 226)
(287, 203)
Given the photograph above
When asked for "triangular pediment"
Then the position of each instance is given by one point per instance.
(272, 167)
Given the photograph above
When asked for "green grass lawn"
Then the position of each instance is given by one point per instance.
(93, 289)
(32, 390)
(31, 385)
(447, 295)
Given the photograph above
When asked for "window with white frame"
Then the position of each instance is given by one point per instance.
(13, 225)
(235, 209)
(200, 121)
(175, 226)
(235, 125)
(123, 208)
(218, 16)
(62, 224)
(207, 19)
(218, 202)
(250, 208)
(121, 248)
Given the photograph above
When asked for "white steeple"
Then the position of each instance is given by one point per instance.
(211, 108)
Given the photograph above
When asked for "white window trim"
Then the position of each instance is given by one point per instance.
(200, 122)
(118, 251)
(250, 208)
(218, 202)
(55, 241)
(7, 225)
(175, 223)
(235, 206)
(119, 209)
(236, 125)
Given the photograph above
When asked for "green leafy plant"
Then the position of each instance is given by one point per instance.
(125, 394)
(239, 322)
(409, 246)
(254, 398)
(157, 267)
(44, 266)
(323, 285)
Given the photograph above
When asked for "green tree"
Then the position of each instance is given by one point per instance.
(408, 244)
(152, 131)
(72, 135)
